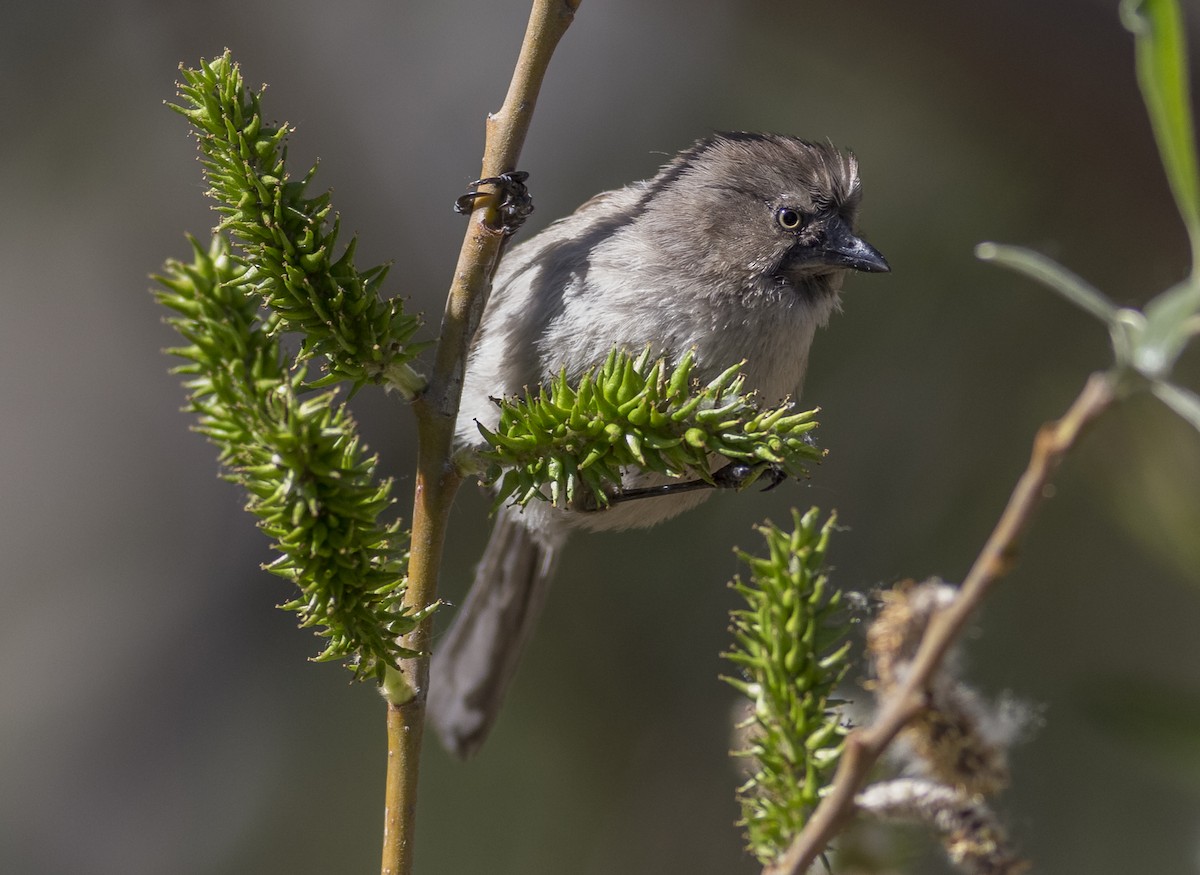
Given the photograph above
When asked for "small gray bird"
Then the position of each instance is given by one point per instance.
(737, 249)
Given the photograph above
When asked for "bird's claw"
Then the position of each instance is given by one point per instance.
(735, 475)
(739, 475)
(774, 475)
(515, 202)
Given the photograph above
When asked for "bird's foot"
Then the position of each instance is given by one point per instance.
(739, 475)
(735, 475)
(515, 202)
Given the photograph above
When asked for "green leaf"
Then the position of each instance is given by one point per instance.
(1162, 71)
(1053, 275)
(1150, 342)
(1183, 401)
(1169, 326)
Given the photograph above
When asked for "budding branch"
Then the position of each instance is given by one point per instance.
(438, 479)
(865, 745)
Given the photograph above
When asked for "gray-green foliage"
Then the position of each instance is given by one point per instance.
(289, 240)
(1146, 342)
(297, 453)
(790, 644)
(637, 412)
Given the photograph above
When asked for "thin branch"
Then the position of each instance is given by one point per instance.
(400, 811)
(437, 477)
(866, 745)
(506, 131)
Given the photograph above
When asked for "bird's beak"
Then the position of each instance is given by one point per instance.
(843, 248)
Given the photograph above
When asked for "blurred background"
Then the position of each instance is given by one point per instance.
(157, 713)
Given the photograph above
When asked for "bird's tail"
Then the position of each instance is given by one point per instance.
(474, 663)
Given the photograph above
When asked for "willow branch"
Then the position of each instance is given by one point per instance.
(437, 477)
(506, 131)
(866, 745)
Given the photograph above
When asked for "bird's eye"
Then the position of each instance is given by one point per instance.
(789, 219)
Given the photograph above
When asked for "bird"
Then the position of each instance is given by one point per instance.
(736, 250)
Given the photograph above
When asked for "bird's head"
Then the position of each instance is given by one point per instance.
(765, 214)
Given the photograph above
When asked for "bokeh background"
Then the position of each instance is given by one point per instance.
(157, 713)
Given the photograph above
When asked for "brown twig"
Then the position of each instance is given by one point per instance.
(438, 478)
(866, 745)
